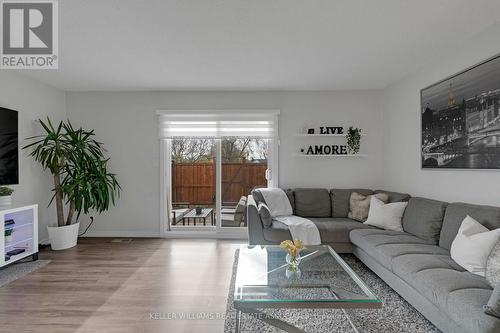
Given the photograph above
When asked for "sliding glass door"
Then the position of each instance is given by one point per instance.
(244, 165)
(193, 182)
(208, 176)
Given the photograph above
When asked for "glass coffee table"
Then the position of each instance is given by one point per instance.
(323, 281)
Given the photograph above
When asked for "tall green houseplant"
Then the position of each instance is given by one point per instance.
(79, 169)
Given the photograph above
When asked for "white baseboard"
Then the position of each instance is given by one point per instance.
(132, 234)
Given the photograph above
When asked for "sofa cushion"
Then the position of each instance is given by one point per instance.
(265, 215)
(424, 218)
(277, 233)
(331, 230)
(312, 202)
(460, 294)
(291, 197)
(388, 252)
(407, 265)
(385, 245)
(340, 200)
(395, 196)
(336, 230)
(455, 214)
(436, 284)
(465, 307)
(442, 282)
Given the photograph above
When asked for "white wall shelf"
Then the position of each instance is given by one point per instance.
(331, 155)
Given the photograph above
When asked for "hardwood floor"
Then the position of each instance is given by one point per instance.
(102, 286)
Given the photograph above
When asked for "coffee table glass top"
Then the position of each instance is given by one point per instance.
(323, 279)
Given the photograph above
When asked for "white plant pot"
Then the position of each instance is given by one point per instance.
(62, 238)
(8, 239)
(6, 201)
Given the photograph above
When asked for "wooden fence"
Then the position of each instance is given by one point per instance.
(194, 183)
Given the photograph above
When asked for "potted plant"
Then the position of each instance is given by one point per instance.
(81, 177)
(353, 140)
(5, 196)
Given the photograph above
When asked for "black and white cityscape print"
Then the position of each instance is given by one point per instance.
(461, 120)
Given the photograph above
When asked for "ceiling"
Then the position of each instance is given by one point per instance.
(256, 44)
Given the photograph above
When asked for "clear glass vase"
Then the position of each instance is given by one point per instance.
(293, 262)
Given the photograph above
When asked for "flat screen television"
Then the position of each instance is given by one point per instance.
(9, 147)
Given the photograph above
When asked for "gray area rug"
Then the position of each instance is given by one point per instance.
(19, 269)
(395, 316)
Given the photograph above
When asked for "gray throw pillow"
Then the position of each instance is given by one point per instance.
(493, 266)
(257, 196)
(265, 215)
(493, 306)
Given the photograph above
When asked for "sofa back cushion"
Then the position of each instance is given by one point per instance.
(340, 200)
(395, 196)
(424, 218)
(456, 213)
(291, 197)
(312, 202)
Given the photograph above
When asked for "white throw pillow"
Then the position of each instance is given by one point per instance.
(386, 216)
(472, 245)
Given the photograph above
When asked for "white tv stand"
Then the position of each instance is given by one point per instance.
(24, 234)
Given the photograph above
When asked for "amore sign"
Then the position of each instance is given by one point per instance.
(326, 150)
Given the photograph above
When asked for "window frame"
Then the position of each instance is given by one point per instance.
(165, 178)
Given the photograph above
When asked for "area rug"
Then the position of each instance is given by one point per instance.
(396, 315)
(19, 269)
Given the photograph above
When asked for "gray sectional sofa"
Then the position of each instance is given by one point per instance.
(416, 263)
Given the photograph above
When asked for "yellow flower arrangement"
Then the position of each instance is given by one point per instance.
(293, 247)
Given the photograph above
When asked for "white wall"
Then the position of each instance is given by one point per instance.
(127, 123)
(401, 110)
(33, 100)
